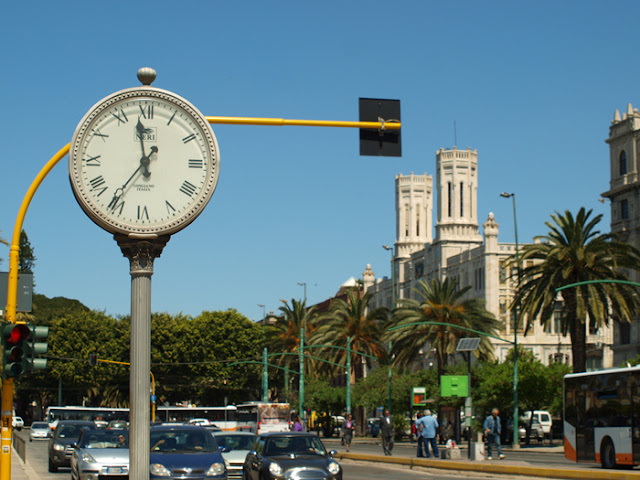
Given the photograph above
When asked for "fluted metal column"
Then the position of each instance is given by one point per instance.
(141, 254)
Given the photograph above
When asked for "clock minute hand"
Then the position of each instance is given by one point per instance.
(116, 196)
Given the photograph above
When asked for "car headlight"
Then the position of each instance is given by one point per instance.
(275, 469)
(159, 470)
(58, 447)
(88, 458)
(215, 470)
(333, 468)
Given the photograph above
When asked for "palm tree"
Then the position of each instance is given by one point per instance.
(352, 318)
(439, 301)
(285, 337)
(574, 251)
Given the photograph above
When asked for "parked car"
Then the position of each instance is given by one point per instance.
(336, 423)
(185, 452)
(291, 455)
(235, 446)
(39, 430)
(60, 445)
(101, 454)
(17, 423)
(537, 431)
(542, 416)
(373, 426)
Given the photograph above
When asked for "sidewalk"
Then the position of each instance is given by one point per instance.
(508, 466)
(21, 470)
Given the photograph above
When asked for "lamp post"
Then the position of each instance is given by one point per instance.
(265, 354)
(393, 306)
(264, 321)
(515, 327)
(301, 351)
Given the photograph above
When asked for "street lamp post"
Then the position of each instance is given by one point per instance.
(393, 306)
(301, 379)
(265, 354)
(515, 327)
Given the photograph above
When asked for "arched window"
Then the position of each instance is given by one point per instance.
(622, 160)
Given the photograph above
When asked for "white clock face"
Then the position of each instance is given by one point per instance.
(143, 161)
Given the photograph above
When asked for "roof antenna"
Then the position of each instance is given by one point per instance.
(455, 135)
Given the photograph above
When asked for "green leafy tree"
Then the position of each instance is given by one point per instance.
(351, 318)
(574, 251)
(443, 302)
(27, 258)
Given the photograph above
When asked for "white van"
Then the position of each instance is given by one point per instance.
(542, 416)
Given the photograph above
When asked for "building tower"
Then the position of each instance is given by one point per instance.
(414, 213)
(457, 222)
(624, 194)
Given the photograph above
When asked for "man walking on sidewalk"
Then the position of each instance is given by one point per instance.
(429, 430)
(386, 431)
(492, 430)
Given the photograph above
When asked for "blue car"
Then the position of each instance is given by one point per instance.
(185, 452)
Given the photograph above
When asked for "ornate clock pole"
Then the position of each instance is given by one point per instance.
(141, 254)
(143, 164)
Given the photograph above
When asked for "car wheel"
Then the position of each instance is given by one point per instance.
(52, 467)
(608, 454)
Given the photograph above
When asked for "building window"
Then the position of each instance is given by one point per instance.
(625, 333)
(449, 199)
(461, 199)
(624, 209)
(622, 161)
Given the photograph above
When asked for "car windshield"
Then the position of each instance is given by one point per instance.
(286, 445)
(172, 441)
(105, 439)
(69, 431)
(236, 442)
(39, 425)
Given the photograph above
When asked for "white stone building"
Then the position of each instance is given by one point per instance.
(624, 195)
(460, 251)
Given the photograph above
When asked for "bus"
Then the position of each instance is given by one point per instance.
(101, 415)
(262, 417)
(222, 417)
(602, 417)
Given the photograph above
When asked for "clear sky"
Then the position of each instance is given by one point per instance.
(531, 85)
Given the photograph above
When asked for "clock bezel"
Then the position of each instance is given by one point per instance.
(114, 225)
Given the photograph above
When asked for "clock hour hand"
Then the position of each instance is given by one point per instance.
(145, 160)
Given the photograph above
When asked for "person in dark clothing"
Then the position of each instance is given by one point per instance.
(387, 432)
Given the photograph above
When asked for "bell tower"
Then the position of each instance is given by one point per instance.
(414, 213)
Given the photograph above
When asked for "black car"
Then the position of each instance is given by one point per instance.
(280, 455)
(60, 446)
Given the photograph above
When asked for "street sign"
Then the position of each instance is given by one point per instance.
(454, 386)
(384, 143)
(25, 291)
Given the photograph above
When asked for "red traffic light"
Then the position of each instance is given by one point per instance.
(16, 333)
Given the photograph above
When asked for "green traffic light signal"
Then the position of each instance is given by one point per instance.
(35, 346)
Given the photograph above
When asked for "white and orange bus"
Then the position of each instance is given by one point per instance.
(602, 417)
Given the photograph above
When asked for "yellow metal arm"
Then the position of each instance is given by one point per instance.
(282, 122)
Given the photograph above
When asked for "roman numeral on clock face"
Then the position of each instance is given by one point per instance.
(96, 185)
(146, 112)
(143, 214)
(188, 188)
(93, 161)
(189, 138)
(122, 118)
(195, 163)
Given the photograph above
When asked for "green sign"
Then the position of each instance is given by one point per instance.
(454, 386)
(419, 396)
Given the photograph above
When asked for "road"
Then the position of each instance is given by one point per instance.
(37, 458)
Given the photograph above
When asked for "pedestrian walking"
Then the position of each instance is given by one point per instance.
(297, 424)
(492, 430)
(386, 431)
(348, 427)
(418, 432)
(429, 429)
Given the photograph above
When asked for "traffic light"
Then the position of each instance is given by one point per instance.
(21, 344)
(93, 359)
(36, 345)
(14, 336)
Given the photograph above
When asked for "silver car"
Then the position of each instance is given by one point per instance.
(101, 454)
(235, 446)
(39, 431)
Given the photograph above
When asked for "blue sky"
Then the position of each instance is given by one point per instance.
(531, 85)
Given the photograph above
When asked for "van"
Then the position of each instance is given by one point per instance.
(542, 416)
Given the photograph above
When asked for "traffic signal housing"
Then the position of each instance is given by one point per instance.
(93, 359)
(21, 344)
